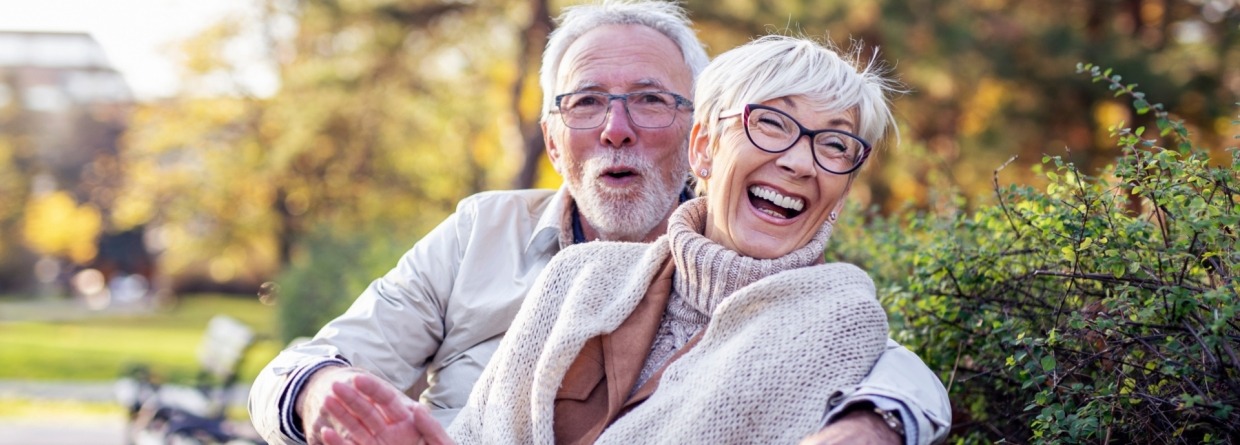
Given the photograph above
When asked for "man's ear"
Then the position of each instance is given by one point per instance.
(699, 149)
(553, 150)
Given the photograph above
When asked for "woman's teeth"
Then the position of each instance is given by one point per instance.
(787, 202)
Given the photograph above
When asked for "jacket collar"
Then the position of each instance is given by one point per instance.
(549, 231)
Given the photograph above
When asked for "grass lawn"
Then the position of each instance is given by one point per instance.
(100, 348)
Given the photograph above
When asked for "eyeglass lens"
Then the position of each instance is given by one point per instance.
(775, 132)
(650, 109)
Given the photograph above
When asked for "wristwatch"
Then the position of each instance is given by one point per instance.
(892, 419)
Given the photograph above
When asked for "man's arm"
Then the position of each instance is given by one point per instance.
(859, 426)
(391, 330)
(901, 384)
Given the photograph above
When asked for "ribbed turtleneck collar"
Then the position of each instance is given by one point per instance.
(707, 272)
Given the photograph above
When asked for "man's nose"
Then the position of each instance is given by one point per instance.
(618, 127)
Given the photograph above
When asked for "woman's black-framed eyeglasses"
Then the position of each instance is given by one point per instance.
(774, 131)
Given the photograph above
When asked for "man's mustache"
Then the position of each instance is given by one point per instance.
(641, 166)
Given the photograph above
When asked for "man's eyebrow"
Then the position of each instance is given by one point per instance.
(649, 82)
(644, 83)
(586, 86)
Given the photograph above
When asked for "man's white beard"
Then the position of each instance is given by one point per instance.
(627, 214)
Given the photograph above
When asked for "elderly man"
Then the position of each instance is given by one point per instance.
(445, 306)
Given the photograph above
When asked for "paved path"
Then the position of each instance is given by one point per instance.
(76, 431)
(83, 391)
(58, 428)
(40, 390)
(77, 428)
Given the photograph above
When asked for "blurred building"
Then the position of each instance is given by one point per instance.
(70, 105)
(63, 108)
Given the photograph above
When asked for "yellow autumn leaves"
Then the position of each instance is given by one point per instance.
(56, 225)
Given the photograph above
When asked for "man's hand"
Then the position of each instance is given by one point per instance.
(856, 427)
(342, 405)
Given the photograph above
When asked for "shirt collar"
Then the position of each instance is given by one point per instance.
(552, 223)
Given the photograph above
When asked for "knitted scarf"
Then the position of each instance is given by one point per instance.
(773, 353)
(706, 273)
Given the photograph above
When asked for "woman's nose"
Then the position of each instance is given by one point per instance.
(798, 159)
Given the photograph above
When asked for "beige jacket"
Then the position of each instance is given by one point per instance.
(442, 309)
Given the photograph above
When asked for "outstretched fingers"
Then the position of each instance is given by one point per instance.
(358, 409)
(392, 404)
(345, 424)
(366, 410)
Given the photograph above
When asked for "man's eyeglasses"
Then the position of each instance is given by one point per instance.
(647, 109)
(774, 131)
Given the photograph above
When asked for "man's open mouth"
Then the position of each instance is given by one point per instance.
(619, 173)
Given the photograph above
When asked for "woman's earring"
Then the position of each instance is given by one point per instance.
(705, 172)
(832, 216)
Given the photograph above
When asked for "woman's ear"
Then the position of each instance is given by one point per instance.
(699, 151)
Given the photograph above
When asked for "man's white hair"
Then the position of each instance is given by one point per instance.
(776, 66)
(665, 17)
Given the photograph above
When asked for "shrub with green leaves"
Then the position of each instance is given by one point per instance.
(1101, 309)
(327, 275)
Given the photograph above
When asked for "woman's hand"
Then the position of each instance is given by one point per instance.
(419, 428)
(354, 407)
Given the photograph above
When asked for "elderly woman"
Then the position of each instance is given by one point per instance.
(729, 328)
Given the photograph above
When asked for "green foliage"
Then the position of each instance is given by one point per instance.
(327, 275)
(1099, 309)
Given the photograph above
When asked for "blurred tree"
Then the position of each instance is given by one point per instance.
(527, 96)
(388, 114)
(55, 225)
(13, 186)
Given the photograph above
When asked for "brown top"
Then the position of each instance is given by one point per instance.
(595, 391)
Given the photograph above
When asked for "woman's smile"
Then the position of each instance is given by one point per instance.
(780, 207)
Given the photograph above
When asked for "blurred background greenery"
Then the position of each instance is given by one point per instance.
(390, 111)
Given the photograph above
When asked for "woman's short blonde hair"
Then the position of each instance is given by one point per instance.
(778, 66)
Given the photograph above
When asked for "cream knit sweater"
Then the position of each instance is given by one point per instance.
(773, 353)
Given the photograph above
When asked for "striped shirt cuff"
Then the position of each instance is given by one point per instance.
(290, 422)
